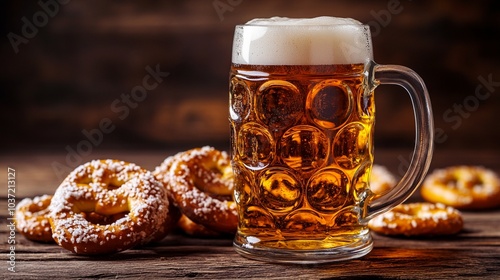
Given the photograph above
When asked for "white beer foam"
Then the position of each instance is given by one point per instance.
(301, 41)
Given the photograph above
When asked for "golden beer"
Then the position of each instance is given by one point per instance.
(302, 151)
(302, 114)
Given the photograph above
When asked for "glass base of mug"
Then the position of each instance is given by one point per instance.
(249, 247)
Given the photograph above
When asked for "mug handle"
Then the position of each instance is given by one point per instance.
(424, 135)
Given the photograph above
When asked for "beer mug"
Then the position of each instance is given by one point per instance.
(302, 116)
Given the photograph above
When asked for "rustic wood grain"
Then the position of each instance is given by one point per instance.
(472, 254)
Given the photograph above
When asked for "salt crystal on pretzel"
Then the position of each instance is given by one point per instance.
(417, 219)
(32, 219)
(200, 181)
(131, 204)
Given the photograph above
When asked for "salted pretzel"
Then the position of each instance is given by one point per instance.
(381, 179)
(196, 230)
(463, 187)
(170, 224)
(418, 219)
(201, 183)
(184, 224)
(32, 219)
(107, 206)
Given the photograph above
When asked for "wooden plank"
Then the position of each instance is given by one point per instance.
(220, 261)
(472, 254)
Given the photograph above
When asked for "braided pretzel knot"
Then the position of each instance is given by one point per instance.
(418, 219)
(32, 218)
(201, 184)
(463, 187)
(107, 206)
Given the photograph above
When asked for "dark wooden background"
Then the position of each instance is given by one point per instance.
(66, 78)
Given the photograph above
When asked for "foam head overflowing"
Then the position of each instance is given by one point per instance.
(313, 41)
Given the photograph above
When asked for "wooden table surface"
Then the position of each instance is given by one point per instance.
(472, 254)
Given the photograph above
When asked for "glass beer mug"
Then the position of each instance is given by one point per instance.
(302, 115)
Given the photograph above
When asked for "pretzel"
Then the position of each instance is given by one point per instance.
(463, 187)
(169, 225)
(381, 180)
(200, 182)
(196, 230)
(32, 219)
(417, 219)
(107, 206)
